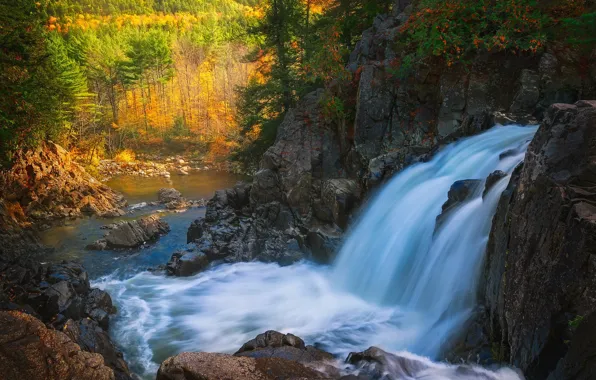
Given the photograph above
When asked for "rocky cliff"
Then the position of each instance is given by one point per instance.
(320, 170)
(541, 257)
(46, 185)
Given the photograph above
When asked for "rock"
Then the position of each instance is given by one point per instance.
(29, 350)
(324, 244)
(460, 192)
(376, 364)
(338, 198)
(91, 338)
(579, 363)
(382, 167)
(98, 306)
(195, 231)
(167, 195)
(112, 213)
(187, 263)
(233, 232)
(492, 179)
(273, 344)
(540, 270)
(132, 234)
(48, 185)
(528, 93)
(207, 366)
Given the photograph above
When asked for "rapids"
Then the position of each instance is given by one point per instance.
(397, 283)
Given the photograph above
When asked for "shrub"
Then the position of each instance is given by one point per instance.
(125, 156)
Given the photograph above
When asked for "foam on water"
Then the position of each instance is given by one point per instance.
(397, 284)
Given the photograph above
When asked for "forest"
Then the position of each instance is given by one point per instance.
(110, 77)
(113, 76)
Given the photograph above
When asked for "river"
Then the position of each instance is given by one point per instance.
(398, 282)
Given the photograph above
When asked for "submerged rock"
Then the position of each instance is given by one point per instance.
(132, 234)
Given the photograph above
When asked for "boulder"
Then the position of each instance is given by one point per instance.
(132, 234)
(187, 263)
(540, 270)
(29, 350)
(92, 338)
(208, 366)
(274, 344)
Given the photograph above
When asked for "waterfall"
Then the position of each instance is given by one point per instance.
(394, 256)
(398, 283)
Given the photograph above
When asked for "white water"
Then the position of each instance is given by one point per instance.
(395, 284)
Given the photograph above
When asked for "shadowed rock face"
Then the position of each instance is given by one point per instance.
(132, 234)
(541, 257)
(29, 350)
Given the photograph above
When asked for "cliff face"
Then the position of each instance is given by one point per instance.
(319, 171)
(541, 258)
(400, 121)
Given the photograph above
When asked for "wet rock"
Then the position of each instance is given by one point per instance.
(92, 338)
(324, 244)
(29, 350)
(273, 344)
(460, 192)
(382, 167)
(207, 366)
(338, 198)
(187, 263)
(492, 179)
(540, 268)
(98, 305)
(132, 234)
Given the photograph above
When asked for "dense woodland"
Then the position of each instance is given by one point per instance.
(215, 77)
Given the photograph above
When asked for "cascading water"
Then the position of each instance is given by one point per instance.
(397, 283)
(394, 257)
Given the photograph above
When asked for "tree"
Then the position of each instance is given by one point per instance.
(39, 82)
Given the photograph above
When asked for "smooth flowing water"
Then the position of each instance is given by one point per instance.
(397, 283)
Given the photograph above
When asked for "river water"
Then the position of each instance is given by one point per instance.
(397, 283)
